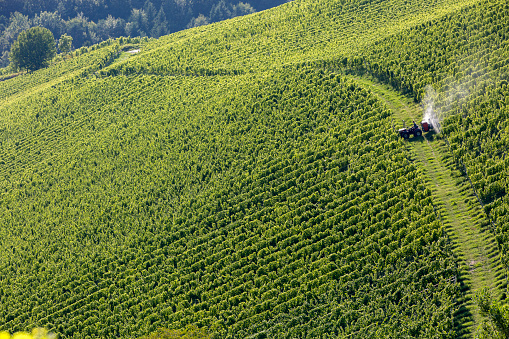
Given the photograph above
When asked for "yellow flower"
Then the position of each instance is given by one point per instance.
(22, 335)
(5, 335)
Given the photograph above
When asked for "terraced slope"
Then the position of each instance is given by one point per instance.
(465, 57)
(297, 32)
(145, 221)
(223, 177)
(90, 60)
(464, 50)
(458, 207)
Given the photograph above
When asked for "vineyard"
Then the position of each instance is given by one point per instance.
(249, 231)
(468, 67)
(234, 178)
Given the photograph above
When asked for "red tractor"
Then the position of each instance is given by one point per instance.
(426, 126)
(415, 130)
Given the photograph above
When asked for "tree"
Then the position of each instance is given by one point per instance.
(50, 20)
(497, 324)
(242, 8)
(200, 20)
(34, 49)
(79, 28)
(160, 27)
(220, 11)
(16, 24)
(65, 43)
(110, 28)
(150, 14)
(135, 25)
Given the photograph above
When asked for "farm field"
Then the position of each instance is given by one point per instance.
(246, 177)
(466, 224)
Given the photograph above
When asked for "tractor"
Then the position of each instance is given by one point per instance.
(406, 132)
(415, 130)
(426, 126)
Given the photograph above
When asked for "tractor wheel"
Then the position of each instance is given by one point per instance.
(418, 133)
(405, 135)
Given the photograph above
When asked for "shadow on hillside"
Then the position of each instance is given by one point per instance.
(415, 139)
(430, 136)
(463, 318)
(9, 76)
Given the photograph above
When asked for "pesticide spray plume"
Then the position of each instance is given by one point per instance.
(437, 106)
(452, 95)
(431, 113)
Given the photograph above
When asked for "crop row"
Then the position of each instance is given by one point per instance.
(234, 203)
(83, 61)
(465, 57)
(297, 32)
(463, 49)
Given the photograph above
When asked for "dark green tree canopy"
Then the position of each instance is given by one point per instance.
(34, 49)
(65, 44)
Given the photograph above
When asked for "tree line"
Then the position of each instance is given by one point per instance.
(89, 22)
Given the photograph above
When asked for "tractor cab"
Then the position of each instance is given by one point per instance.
(426, 126)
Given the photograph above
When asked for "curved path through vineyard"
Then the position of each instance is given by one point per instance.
(458, 207)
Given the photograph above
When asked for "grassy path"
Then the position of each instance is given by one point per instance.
(460, 212)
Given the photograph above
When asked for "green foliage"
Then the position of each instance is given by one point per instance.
(325, 33)
(449, 51)
(190, 332)
(65, 44)
(91, 60)
(90, 21)
(465, 56)
(34, 49)
(200, 20)
(497, 323)
(245, 204)
(227, 178)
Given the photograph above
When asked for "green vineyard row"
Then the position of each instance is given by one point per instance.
(465, 56)
(299, 212)
(225, 177)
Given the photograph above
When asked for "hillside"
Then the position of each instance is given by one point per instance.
(90, 22)
(237, 177)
